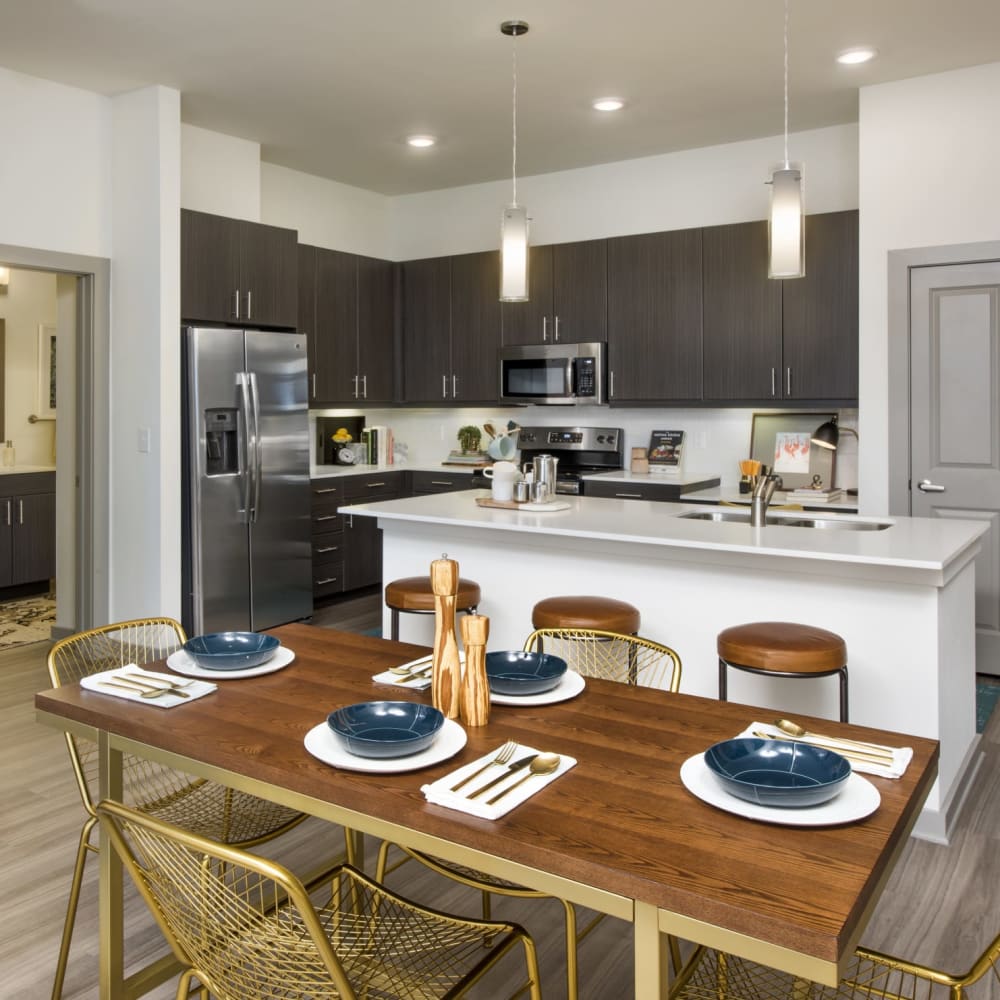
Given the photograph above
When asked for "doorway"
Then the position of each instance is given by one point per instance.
(79, 437)
(944, 427)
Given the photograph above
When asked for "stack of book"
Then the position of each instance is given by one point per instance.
(810, 496)
(467, 458)
(379, 444)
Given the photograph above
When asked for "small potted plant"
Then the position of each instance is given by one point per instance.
(469, 438)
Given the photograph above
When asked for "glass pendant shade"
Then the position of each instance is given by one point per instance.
(786, 229)
(514, 254)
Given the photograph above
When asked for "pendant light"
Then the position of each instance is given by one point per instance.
(786, 230)
(514, 221)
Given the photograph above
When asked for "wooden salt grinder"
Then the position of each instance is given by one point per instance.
(446, 671)
(475, 700)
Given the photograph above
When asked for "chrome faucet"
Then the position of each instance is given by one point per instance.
(760, 497)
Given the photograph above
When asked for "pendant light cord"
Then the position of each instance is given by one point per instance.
(786, 84)
(513, 167)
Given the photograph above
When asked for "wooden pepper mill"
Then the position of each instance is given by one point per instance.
(446, 672)
(475, 696)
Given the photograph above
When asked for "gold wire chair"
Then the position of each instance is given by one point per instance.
(244, 926)
(627, 659)
(713, 975)
(211, 809)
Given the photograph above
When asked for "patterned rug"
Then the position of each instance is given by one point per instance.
(27, 620)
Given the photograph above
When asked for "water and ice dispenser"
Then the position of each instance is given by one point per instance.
(221, 442)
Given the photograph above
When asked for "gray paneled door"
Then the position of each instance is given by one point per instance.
(955, 418)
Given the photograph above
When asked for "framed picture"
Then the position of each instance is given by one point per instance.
(665, 448)
(46, 372)
(781, 441)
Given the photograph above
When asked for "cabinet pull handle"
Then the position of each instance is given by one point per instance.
(444, 386)
(328, 489)
(249, 310)
(8, 513)
(314, 385)
(327, 517)
(629, 496)
(611, 385)
(788, 381)
(545, 329)
(364, 386)
(555, 325)
(774, 384)
(454, 387)
(236, 304)
(327, 548)
(355, 386)
(325, 580)
(441, 482)
(372, 486)
(20, 512)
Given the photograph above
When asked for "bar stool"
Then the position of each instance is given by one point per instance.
(783, 649)
(413, 595)
(602, 613)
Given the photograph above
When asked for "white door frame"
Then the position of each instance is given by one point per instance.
(92, 421)
(898, 390)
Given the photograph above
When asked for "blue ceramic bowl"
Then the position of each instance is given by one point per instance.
(231, 650)
(777, 772)
(519, 673)
(385, 728)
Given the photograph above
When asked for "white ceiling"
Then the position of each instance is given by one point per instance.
(332, 87)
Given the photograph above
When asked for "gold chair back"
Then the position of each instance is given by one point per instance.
(627, 659)
(245, 926)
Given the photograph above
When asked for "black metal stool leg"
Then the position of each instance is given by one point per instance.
(394, 624)
(843, 693)
(722, 680)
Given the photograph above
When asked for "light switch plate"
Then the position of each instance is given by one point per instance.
(145, 440)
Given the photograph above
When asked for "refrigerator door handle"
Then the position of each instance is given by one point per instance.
(249, 450)
(258, 447)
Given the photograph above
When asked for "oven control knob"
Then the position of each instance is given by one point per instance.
(610, 439)
(600, 439)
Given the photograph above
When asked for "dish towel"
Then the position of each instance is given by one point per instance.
(404, 681)
(105, 683)
(440, 794)
(901, 756)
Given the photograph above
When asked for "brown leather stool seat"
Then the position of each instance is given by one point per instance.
(602, 613)
(413, 595)
(783, 649)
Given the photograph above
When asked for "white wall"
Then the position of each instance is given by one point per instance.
(30, 301)
(220, 174)
(145, 355)
(698, 187)
(325, 213)
(928, 176)
(55, 177)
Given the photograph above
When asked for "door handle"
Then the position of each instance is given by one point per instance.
(355, 386)
(926, 486)
(249, 311)
(236, 304)
(545, 329)
(788, 382)
(248, 448)
(774, 387)
(444, 386)
(258, 450)
(314, 385)
(555, 329)
(20, 511)
(364, 386)
(454, 387)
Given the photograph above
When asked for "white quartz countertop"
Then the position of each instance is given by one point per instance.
(23, 470)
(323, 471)
(938, 546)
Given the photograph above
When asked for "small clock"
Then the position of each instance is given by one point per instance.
(346, 456)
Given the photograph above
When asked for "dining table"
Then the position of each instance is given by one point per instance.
(619, 833)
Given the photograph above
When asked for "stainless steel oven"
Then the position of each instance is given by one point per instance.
(552, 374)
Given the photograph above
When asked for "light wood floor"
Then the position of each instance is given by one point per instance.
(941, 907)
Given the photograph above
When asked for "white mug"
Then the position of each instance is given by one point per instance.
(503, 489)
(504, 471)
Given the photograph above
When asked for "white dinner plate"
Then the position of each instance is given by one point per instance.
(568, 687)
(324, 746)
(183, 664)
(858, 799)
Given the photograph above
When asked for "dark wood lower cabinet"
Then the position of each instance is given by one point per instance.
(27, 529)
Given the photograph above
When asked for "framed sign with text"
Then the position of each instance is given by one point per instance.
(665, 450)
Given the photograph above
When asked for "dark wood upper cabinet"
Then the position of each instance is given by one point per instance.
(567, 288)
(233, 271)
(820, 313)
(307, 308)
(654, 317)
(451, 328)
(741, 315)
(376, 328)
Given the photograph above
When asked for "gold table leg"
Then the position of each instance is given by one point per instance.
(652, 970)
(110, 916)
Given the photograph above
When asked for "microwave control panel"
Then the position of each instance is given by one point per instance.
(585, 377)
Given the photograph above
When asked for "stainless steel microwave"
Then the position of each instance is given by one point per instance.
(552, 373)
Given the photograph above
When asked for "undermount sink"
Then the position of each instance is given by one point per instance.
(788, 520)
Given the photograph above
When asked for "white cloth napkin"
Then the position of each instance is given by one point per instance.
(441, 795)
(196, 689)
(901, 756)
(402, 680)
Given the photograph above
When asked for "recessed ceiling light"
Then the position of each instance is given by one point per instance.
(862, 54)
(609, 104)
(421, 141)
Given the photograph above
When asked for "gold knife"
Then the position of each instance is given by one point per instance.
(511, 768)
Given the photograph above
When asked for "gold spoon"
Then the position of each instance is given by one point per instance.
(158, 693)
(414, 669)
(794, 729)
(544, 763)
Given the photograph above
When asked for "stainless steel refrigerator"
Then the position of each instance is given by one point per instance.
(247, 550)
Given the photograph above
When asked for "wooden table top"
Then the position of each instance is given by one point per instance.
(621, 820)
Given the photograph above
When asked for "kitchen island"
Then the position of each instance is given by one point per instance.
(902, 598)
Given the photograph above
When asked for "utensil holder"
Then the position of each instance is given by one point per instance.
(474, 702)
(446, 670)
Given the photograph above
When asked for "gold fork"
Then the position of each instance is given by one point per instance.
(504, 754)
